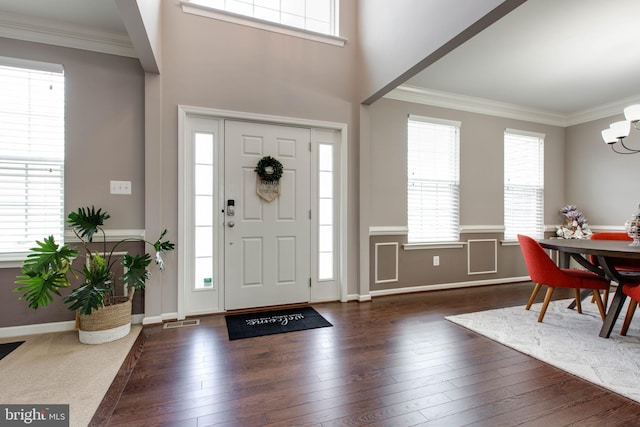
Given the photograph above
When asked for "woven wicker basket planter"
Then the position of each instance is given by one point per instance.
(106, 324)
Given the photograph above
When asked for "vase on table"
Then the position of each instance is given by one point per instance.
(632, 227)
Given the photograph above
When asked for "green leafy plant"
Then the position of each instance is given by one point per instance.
(49, 267)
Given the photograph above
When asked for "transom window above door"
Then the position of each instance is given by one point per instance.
(302, 18)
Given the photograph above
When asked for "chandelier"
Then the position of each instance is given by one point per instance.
(618, 131)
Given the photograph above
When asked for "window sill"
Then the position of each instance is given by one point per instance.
(434, 245)
(221, 15)
(13, 260)
(509, 243)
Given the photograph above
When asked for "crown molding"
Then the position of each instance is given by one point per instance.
(474, 105)
(607, 110)
(471, 104)
(19, 27)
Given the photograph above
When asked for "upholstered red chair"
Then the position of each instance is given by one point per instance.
(543, 271)
(621, 264)
(633, 292)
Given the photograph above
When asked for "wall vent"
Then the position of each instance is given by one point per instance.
(182, 323)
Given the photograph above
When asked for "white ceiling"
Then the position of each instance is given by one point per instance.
(561, 57)
(100, 15)
(564, 57)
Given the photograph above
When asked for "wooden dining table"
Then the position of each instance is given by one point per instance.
(604, 251)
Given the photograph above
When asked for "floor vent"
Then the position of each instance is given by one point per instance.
(182, 323)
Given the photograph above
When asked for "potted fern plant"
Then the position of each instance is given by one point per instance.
(101, 315)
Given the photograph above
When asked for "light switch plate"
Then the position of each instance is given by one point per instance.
(120, 187)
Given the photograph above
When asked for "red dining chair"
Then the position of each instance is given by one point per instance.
(620, 264)
(543, 271)
(633, 292)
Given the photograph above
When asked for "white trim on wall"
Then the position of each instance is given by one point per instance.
(436, 287)
(478, 229)
(45, 328)
(403, 230)
(388, 231)
(221, 15)
(36, 30)
(111, 235)
(39, 328)
(470, 243)
(16, 260)
(185, 111)
(376, 264)
(471, 104)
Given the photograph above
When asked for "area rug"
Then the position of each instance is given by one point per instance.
(567, 340)
(55, 368)
(274, 322)
(8, 347)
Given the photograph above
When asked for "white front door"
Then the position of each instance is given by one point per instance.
(266, 244)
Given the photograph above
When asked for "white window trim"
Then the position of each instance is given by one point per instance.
(412, 245)
(525, 133)
(184, 188)
(435, 120)
(541, 137)
(16, 259)
(222, 15)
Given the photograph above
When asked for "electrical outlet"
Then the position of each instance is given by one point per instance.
(120, 187)
(436, 260)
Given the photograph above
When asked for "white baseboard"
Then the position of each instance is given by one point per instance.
(436, 287)
(39, 328)
(425, 288)
(153, 320)
(45, 328)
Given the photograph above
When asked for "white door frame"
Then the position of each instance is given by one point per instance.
(184, 212)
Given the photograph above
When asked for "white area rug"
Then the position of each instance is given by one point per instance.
(567, 340)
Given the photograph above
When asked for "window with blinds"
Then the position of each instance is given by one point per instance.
(312, 15)
(523, 184)
(31, 154)
(433, 180)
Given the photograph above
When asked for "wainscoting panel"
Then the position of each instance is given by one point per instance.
(386, 262)
(482, 256)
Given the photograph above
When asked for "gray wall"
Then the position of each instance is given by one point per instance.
(481, 167)
(114, 109)
(104, 133)
(601, 183)
(215, 64)
(481, 195)
(104, 141)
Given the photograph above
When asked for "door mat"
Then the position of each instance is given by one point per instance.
(7, 348)
(250, 325)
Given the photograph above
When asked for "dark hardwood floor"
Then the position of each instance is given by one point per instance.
(392, 362)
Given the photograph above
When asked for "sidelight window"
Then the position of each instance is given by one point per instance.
(204, 202)
(326, 216)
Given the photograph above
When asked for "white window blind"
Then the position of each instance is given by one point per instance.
(312, 15)
(31, 154)
(433, 180)
(523, 184)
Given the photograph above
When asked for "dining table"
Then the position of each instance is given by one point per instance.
(604, 252)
